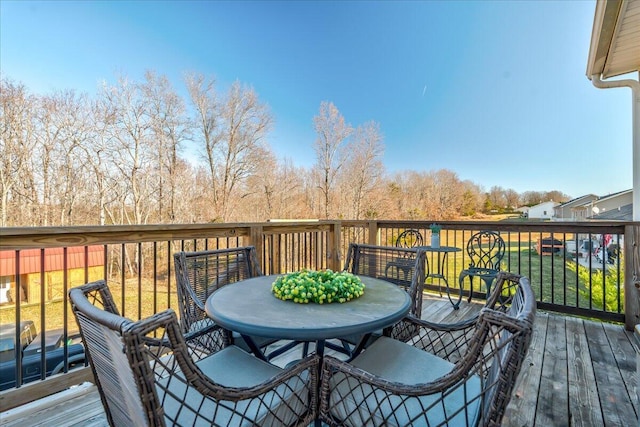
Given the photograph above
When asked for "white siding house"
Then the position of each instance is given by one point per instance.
(542, 210)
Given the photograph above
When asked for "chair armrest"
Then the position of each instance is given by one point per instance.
(196, 300)
(171, 355)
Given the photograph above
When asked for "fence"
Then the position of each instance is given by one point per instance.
(137, 263)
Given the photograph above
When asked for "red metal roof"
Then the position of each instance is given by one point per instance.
(30, 259)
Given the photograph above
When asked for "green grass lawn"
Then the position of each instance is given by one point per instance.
(136, 305)
(555, 279)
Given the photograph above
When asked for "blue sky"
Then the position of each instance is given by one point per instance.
(492, 90)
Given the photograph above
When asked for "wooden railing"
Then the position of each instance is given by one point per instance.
(137, 262)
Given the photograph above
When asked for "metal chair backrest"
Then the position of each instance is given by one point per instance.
(403, 266)
(486, 250)
(100, 327)
(199, 274)
(409, 239)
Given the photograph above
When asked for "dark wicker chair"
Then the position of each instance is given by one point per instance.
(486, 250)
(199, 274)
(456, 374)
(381, 262)
(404, 267)
(149, 373)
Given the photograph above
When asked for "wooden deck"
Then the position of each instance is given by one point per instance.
(577, 373)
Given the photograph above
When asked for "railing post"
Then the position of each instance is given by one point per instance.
(256, 233)
(374, 233)
(333, 246)
(632, 275)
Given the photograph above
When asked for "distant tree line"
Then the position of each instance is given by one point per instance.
(119, 158)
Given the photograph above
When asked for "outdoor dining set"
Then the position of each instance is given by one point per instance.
(236, 355)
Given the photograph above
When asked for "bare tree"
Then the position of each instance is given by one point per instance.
(512, 198)
(102, 176)
(169, 130)
(233, 132)
(63, 128)
(131, 149)
(331, 150)
(245, 123)
(16, 145)
(496, 199)
(472, 199)
(531, 198)
(557, 196)
(279, 190)
(448, 194)
(364, 170)
(66, 157)
(203, 95)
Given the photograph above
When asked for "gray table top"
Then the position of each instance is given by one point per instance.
(250, 308)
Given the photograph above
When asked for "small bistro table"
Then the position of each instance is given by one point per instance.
(439, 272)
(249, 307)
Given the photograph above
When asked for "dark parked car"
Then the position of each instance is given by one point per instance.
(31, 348)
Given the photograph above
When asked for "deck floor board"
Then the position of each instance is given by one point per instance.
(584, 406)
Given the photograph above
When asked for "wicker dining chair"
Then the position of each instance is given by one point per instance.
(199, 274)
(149, 374)
(485, 250)
(382, 262)
(460, 374)
(404, 267)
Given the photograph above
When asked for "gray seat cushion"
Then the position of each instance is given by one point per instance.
(233, 367)
(399, 362)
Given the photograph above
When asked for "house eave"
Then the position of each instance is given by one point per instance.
(615, 39)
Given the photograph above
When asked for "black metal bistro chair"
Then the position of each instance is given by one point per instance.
(409, 238)
(486, 250)
(149, 374)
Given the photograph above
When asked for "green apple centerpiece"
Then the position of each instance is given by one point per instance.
(321, 287)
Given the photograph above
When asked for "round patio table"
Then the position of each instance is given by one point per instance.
(249, 307)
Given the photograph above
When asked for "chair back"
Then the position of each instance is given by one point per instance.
(199, 274)
(100, 327)
(409, 239)
(486, 250)
(508, 330)
(403, 266)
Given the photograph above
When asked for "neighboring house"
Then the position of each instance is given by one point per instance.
(623, 213)
(542, 210)
(573, 210)
(54, 265)
(612, 206)
(524, 211)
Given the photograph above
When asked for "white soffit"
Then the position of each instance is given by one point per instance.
(615, 39)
